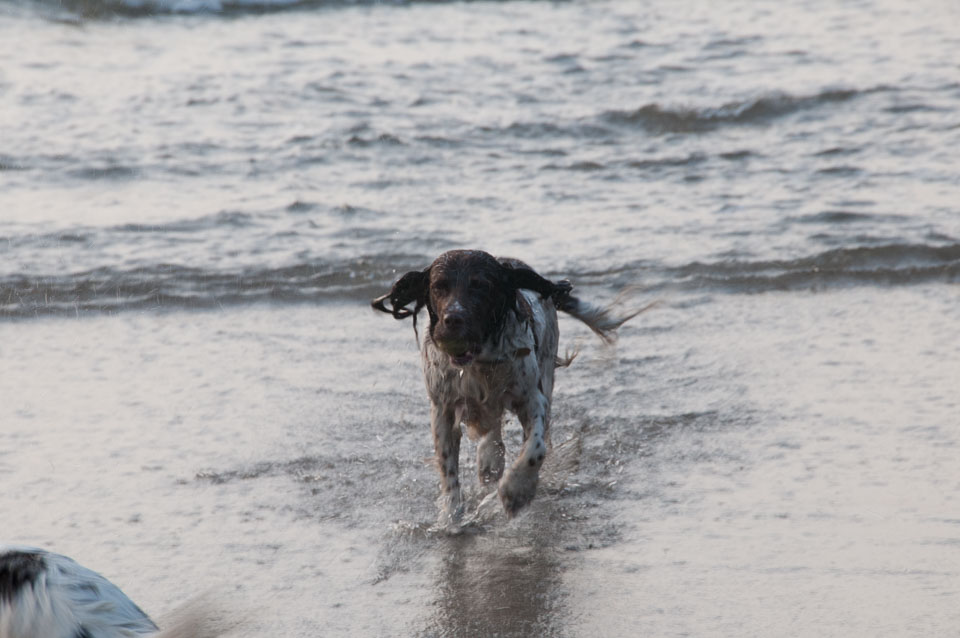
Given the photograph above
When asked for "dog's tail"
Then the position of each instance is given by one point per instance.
(603, 320)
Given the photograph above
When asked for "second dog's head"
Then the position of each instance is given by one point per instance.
(468, 295)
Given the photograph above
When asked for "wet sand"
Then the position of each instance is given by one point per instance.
(776, 464)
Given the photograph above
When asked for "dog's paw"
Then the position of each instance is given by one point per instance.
(490, 461)
(489, 475)
(451, 508)
(490, 469)
(517, 488)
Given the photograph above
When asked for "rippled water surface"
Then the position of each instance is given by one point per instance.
(198, 198)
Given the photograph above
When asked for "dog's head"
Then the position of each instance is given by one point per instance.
(468, 295)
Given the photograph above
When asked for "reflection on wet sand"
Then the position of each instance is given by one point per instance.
(498, 586)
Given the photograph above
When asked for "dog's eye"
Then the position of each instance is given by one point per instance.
(478, 284)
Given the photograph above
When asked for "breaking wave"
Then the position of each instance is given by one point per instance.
(168, 286)
(660, 119)
(146, 8)
(887, 265)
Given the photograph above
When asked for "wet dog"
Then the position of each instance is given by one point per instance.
(491, 346)
(46, 595)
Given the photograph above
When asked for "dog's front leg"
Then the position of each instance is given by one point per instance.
(446, 445)
(490, 451)
(519, 485)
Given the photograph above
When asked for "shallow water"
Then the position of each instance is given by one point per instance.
(199, 199)
(800, 484)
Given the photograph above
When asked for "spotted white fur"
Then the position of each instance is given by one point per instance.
(514, 372)
(491, 347)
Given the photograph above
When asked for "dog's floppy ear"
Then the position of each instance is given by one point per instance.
(528, 279)
(412, 288)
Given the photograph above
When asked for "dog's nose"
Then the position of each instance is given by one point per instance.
(453, 319)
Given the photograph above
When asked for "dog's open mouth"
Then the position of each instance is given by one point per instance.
(461, 355)
(462, 359)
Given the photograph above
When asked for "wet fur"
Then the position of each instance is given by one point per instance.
(46, 595)
(491, 346)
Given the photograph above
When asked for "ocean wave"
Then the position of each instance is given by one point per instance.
(146, 8)
(885, 265)
(578, 129)
(109, 172)
(660, 119)
(224, 220)
(8, 163)
(657, 119)
(845, 217)
(168, 286)
(142, 8)
(652, 165)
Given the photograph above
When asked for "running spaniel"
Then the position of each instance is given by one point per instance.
(491, 346)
